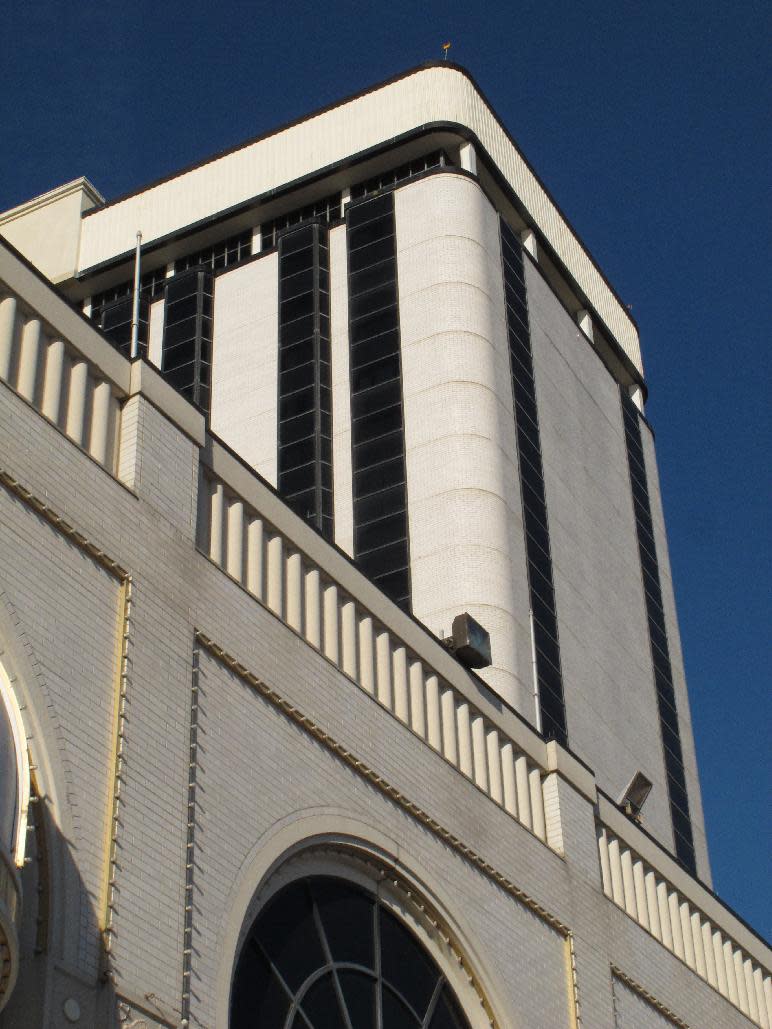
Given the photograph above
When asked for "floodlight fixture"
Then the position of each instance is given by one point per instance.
(470, 642)
(634, 797)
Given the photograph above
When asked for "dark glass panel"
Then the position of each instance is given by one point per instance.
(297, 307)
(389, 558)
(380, 476)
(297, 403)
(300, 453)
(296, 284)
(375, 275)
(385, 344)
(358, 214)
(396, 585)
(379, 533)
(292, 263)
(377, 505)
(297, 479)
(297, 331)
(297, 428)
(368, 402)
(347, 917)
(359, 994)
(382, 449)
(298, 377)
(320, 1004)
(405, 964)
(447, 1014)
(370, 325)
(377, 424)
(381, 370)
(372, 254)
(304, 504)
(382, 295)
(257, 997)
(296, 354)
(395, 1014)
(287, 931)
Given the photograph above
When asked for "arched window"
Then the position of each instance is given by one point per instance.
(325, 953)
(14, 774)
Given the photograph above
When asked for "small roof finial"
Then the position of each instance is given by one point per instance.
(445, 48)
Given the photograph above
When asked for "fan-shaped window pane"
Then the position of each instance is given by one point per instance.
(347, 917)
(321, 1005)
(8, 781)
(406, 964)
(447, 1014)
(359, 993)
(289, 936)
(314, 959)
(258, 997)
(396, 1014)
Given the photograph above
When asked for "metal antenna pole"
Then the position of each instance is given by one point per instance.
(135, 307)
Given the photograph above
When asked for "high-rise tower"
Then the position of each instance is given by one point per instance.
(381, 311)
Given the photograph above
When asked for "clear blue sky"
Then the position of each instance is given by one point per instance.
(649, 122)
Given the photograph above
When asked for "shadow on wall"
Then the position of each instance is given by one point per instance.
(51, 988)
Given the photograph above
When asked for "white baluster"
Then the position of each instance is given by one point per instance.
(639, 885)
(628, 884)
(508, 782)
(275, 571)
(399, 673)
(537, 803)
(464, 738)
(101, 436)
(523, 790)
(295, 591)
(255, 560)
(493, 748)
(417, 699)
(448, 709)
(216, 521)
(615, 862)
(8, 325)
(717, 943)
(652, 905)
(234, 562)
(750, 989)
(29, 360)
(348, 633)
(383, 669)
(331, 626)
(366, 654)
(433, 714)
(77, 400)
(53, 380)
(479, 752)
(313, 605)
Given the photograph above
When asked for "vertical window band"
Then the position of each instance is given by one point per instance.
(381, 546)
(305, 395)
(186, 360)
(660, 651)
(549, 675)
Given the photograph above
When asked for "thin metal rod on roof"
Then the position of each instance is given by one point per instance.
(135, 306)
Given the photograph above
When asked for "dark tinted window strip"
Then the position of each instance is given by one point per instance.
(663, 673)
(396, 176)
(304, 401)
(186, 350)
(324, 211)
(381, 546)
(537, 543)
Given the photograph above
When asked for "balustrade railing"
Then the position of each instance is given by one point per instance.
(663, 910)
(58, 381)
(297, 590)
